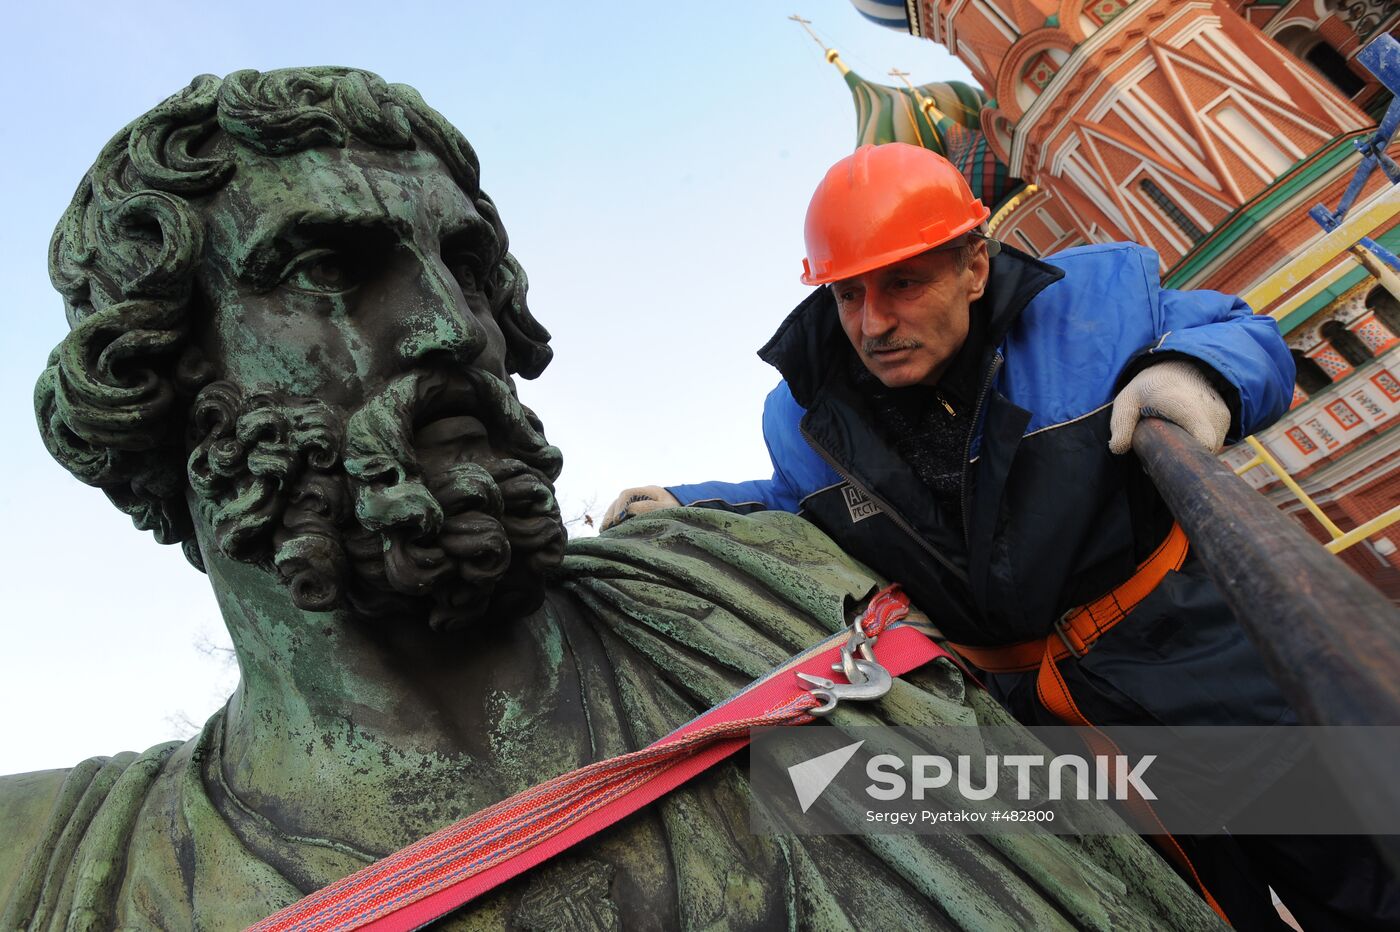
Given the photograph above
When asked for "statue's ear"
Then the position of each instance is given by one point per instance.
(527, 341)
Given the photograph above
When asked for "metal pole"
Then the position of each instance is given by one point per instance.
(1330, 639)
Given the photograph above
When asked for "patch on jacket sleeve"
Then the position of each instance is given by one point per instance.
(860, 506)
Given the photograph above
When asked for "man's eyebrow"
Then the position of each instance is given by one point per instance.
(276, 239)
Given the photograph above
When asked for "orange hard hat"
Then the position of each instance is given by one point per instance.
(882, 204)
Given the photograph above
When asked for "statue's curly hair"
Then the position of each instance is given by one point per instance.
(114, 400)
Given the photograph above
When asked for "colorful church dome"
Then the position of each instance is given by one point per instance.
(943, 116)
(892, 14)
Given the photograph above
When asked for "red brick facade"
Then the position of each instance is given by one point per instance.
(1205, 129)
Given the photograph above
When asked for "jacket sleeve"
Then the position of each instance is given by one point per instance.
(754, 495)
(797, 470)
(1242, 353)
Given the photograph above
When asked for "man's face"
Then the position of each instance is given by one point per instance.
(342, 308)
(907, 320)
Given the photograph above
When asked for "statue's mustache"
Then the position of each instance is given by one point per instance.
(481, 399)
(454, 475)
(411, 426)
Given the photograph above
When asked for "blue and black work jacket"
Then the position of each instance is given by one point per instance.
(1050, 519)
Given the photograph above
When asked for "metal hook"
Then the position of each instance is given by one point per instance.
(851, 666)
(866, 679)
(875, 682)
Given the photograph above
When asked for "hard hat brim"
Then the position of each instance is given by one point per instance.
(889, 257)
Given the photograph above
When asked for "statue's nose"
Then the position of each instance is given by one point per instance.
(435, 317)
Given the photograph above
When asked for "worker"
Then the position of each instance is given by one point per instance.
(954, 413)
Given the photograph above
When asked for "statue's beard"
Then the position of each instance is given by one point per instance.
(433, 500)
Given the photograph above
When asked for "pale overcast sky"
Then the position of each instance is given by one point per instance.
(651, 161)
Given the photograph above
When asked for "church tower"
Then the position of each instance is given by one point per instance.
(1207, 129)
(1155, 120)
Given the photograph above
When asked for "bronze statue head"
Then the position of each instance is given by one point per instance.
(294, 326)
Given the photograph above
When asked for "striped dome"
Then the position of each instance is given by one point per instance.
(893, 14)
(953, 129)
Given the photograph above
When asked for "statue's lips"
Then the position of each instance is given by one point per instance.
(479, 543)
(525, 492)
(531, 512)
(458, 424)
(463, 438)
(449, 413)
(440, 396)
(460, 432)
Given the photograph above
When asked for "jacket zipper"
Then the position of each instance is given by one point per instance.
(967, 451)
(893, 515)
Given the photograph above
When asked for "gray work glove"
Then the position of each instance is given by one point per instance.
(638, 501)
(1176, 391)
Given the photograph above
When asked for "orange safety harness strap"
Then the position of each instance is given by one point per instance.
(1078, 629)
(1074, 635)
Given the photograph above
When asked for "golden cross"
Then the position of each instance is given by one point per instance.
(806, 24)
(926, 105)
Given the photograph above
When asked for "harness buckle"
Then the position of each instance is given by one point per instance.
(1062, 629)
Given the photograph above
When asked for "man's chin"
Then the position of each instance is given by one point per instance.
(899, 376)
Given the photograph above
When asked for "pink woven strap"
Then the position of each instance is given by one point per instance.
(433, 876)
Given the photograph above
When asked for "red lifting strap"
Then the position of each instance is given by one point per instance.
(453, 866)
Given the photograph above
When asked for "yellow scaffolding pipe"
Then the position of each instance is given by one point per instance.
(1285, 280)
(1314, 288)
(1262, 455)
(1341, 540)
(1358, 534)
(1314, 257)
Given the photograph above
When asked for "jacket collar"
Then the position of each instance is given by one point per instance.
(809, 348)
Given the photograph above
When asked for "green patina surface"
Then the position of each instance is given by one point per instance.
(295, 323)
(660, 619)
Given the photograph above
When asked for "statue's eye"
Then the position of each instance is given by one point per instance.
(464, 270)
(323, 272)
(466, 254)
(463, 265)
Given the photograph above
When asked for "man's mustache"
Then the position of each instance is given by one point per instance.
(889, 343)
